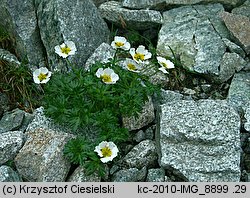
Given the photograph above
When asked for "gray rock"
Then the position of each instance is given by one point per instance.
(79, 175)
(139, 136)
(247, 117)
(7, 174)
(8, 57)
(143, 154)
(41, 121)
(10, 144)
(149, 133)
(156, 175)
(230, 63)
(78, 21)
(26, 121)
(41, 158)
(145, 117)
(130, 175)
(195, 33)
(135, 19)
(99, 2)
(11, 120)
(4, 102)
(244, 9)
(102, 54)
(226, 3)
(19, 19)
(142, 4)
(239, 91)
(239, 26)
(234, 48)
(168, 96)
(200, 139)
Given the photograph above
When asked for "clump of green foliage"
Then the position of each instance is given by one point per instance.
(81, 101)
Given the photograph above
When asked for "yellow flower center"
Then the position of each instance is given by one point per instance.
(132, 67)
(119, 44)
(106, 152)
(65, 50)
(106, 78)
(164, 64)
(42, 77)
(139, 56)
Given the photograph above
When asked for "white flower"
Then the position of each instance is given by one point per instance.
(107, 75)
(165, 64)
(140, 54)
(41, 75)
(131, 65)
(66, 49)
(107, 151)
(120, 42)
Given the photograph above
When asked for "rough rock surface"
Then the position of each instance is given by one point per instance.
(247, 117)
(142, 4)
(239, 91)
(78, 21)
(20, 21)
(195, 33)
(145, 117)
(239, 26)
(7, 174)
(156, 175)
(79, 175)
(143, 154)
(41, 158)
(227, 3)
(11, 121)
(135, 19)
(102, 54)
(244, 9)
(193, 138)
(10, 144)
(130, 175)
(8, 57)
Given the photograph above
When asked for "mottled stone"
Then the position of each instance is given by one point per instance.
(156, 175)
(102, 54)
(145, 117)
(7, 174)
(41, 121)
(79, 175)
(8, 57)
(230, 63)
(247, 117)
(239, 26)
(11, 120)
(130, 175)
(168, 96)
(226, 3)
(233, 48)
(143, 4)
(41, 158)
(200, 139)
(139, 136)
(150, 132)
(4, 102)
(239, 91)
(143, 154)
(244, 9)
(10, 144)
(78, 21)
(19, 19)
(195, 33)
(135, 19)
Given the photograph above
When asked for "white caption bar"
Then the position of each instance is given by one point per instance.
(122, 190)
